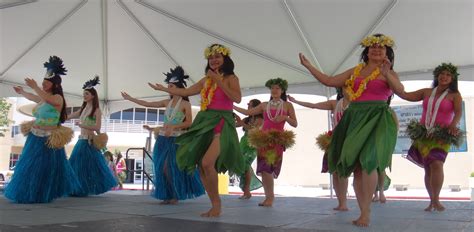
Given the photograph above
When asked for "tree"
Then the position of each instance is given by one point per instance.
(4, 121)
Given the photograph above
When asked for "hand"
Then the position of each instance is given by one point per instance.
(126, 96)
(215, 76)
(157, 86)
(281, 118)
(31, 83)
(305, 62)
(385, 67)
(18, 89)
(238, 121)
(291, 99)
(453, 130)
(147, 127)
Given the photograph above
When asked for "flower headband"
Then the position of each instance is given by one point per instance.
(277, 81)
(216, 48)
(448, 67)
(381, 40)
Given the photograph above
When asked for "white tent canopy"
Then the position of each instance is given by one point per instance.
(130, 43)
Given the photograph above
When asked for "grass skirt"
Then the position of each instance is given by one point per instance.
(365, 136)
(249, 154)
(91, 169)
(41, 174)
(170, 182)
(427, 148)
(194, 143)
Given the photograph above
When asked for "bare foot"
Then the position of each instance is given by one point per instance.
(246, 196)
(375, 198)
(429, 208)
(213, 212)
(382, 199)
(438, 206)
(173, 202)
(362, 221)
(165, 202)
(266, 203)
(341, 208)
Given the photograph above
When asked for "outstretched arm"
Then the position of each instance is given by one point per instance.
(154, 104)
(183, 92)
(253, 111)
(326, 105)
(335, 81)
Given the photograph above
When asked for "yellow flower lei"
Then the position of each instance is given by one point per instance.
(207, 93)
(349, 84)
(380, 40)
(216, 49)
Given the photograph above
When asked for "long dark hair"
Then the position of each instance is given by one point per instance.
(95, 102)
(453, 86)
(227, 67)
(390, 54)
(58, 89)
(250, 119)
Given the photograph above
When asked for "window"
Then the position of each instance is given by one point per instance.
(116, 115)
(127, 114)
(13, 160)
(15, 130)
(140, 114)
(152, 115)
(161, 115)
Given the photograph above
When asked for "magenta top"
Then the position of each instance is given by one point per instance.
(220, 101)
(377, 90)
(445, 112)
(269, 124)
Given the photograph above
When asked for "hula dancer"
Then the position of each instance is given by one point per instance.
(337, 107)
(364, 139)
(437, 130)
(272, 139)
(211, 144)
(86, 158)
(171, 184)
(248, 181)
(43, 172)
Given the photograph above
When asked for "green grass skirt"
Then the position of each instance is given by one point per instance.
(365, 136)
(194, 143)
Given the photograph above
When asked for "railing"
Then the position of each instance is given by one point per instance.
(144, 173)
(108, 125)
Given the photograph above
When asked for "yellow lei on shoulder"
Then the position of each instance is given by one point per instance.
(207, 93)
(349, 84)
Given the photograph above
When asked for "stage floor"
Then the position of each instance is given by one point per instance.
(129, 210)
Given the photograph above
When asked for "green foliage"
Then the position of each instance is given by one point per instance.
(4, 121)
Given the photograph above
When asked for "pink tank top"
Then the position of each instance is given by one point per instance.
(445, 112)
(269, 124)
(220, 101)
(377, 90)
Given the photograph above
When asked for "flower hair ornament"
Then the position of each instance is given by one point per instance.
(91, 83)
(54, 68)
(277, 81)
(176, 76)
(448, 67)
(216, 48)
(381, 40)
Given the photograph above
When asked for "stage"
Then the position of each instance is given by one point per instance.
(134, 210)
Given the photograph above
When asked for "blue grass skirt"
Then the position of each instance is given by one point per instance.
(170, 182)
(41, 174)
(91, 169)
